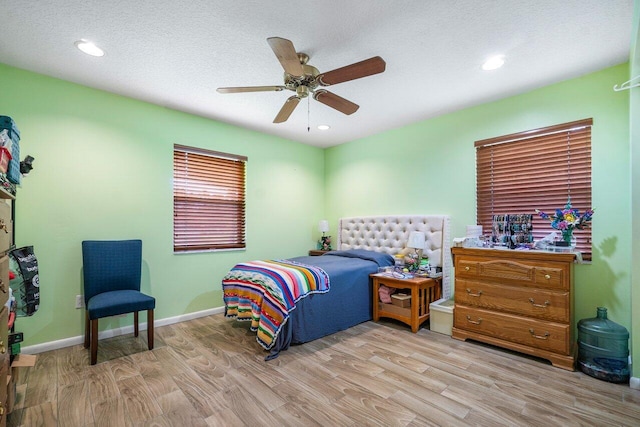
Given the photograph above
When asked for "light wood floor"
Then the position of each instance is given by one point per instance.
(210, 372)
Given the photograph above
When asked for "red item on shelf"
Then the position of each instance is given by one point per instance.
(5, 156)
(12, 318)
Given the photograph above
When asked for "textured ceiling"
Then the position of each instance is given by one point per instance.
(176, 53)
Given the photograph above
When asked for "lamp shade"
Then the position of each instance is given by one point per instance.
(323, 226)
(416, 240)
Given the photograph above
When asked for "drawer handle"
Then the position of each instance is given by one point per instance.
(3, 288)
(3, 226)
(546, 303)
(474, 295)
(466, 268)
(539, 337)
(546, 276)
(475, 322)
(1, 409)
(3, 350)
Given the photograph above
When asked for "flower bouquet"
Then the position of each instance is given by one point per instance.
(568, 219)
(324, 243)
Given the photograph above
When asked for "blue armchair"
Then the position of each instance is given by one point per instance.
(112, 271)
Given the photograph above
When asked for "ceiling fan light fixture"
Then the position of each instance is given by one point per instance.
(324, 127)
(302, 91)
(89, 48)
(493, 63)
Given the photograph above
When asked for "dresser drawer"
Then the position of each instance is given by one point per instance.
(523, 300)
(527, 273)
(4, 336)
(530, 332)
(6, 226)
(4, 279)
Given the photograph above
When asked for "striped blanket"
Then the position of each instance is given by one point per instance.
(265, 292)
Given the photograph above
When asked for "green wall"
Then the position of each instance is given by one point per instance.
(635, 195)
(429, 168)
(103, 170)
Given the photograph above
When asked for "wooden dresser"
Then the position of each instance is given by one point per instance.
(6, 232)
(520, 300)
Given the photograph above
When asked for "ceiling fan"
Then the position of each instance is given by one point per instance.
(304, 79)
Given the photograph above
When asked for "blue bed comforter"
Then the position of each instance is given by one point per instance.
(347, 304)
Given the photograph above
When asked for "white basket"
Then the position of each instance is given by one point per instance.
(441, 316)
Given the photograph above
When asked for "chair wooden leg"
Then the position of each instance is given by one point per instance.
(135, 324)
(150, 328)
(94, 341)
(87, 329)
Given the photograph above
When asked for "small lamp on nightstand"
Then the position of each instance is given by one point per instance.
(325, 241)
(416, 241)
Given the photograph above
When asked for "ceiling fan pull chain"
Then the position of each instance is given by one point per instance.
(308, 114)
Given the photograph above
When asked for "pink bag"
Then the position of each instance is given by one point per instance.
(385, 293)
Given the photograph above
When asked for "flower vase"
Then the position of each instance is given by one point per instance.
(325, 243)
(568, 240)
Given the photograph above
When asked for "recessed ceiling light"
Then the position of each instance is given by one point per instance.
(89, 48)
(493, 63)
(324, 127)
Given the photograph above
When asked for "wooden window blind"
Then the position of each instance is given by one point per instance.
(537, 169)
(208, 200)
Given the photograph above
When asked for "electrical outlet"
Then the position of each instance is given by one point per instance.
(79, 301)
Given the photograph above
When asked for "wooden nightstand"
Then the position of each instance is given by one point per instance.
(317, 252)
(424, 291)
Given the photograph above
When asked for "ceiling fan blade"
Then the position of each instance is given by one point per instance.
(286, 110)
(250, 89)
(286, 54)
(334, 101)
(358, 70)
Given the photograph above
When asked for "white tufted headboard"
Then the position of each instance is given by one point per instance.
(390, 234)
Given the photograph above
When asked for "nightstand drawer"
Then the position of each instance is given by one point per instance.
(317, 252)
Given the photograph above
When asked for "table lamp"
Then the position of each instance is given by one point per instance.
(323, 226)
(416, 241)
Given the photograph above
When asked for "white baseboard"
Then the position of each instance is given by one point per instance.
(634, 383)
(68, 342)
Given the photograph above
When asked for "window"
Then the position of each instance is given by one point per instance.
(208, 200)
(537, 169)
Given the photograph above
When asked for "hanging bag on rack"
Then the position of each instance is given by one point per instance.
(26, 284)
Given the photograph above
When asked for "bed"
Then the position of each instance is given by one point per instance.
(343, 298)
